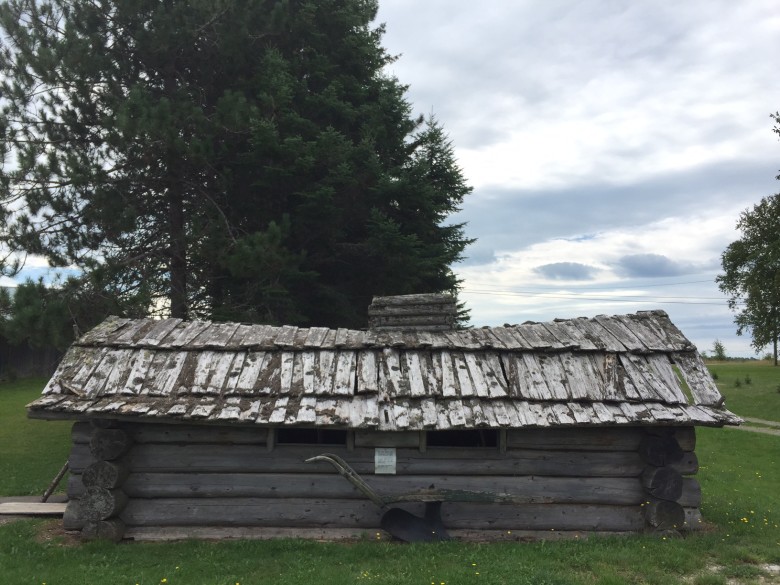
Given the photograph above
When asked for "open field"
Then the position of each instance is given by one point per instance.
(740, 475)
(751, 388)
(32, 451)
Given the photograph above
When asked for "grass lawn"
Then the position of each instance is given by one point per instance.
(740, 475)
(33, 451)
(751, 388)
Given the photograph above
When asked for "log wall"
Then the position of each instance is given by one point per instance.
(198, 479)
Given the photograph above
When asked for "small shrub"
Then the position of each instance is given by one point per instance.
(737, 383)
(748, 380)
(714, 375)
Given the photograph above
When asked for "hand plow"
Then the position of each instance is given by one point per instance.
(399, 523)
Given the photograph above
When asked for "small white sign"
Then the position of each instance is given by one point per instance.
(384, 460)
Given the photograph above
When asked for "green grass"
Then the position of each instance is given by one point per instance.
(740, 472)
(33, 451)
(760, 398)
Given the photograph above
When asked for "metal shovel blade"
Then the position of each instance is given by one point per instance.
(406, 526)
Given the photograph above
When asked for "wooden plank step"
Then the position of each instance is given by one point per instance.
(32, 509)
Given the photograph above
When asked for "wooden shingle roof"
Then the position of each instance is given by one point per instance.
(608, 370)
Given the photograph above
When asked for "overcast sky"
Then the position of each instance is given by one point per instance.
(611, 146)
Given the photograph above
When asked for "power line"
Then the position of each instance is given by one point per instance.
(626, 287)
(579, 297)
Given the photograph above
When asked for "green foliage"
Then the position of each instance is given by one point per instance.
(43, 316)
(718, 351)
(751, 271)
(241, 160)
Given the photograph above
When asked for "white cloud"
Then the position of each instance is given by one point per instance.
(540, 95)
(597, 131)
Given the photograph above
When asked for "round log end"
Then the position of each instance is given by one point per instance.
(100, 503)
(105, 474)
(664, 515)
(665, 483)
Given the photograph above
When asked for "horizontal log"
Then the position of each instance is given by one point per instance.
(435, 461)
(686, 436)
(105, 474)
(576, 439)
(181, 433)
(582, 438)
(109, 444)
(542, 517)
(619, 491)
(172, 533)
(325, 513)
(364, 438)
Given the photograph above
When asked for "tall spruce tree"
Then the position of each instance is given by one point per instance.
(234, 159)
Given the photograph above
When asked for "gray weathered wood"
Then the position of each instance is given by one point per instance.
(541, 489)
(364, 438)
(73, 519)
(664, 483)
(312, 513)
(105, 474)
(437, 460)
(660, 450)
(109, 444)
(577, 439)
(184, 433)
(664, 515)
(99, 503)
(698, 378)
(32, 508)
(112, 529)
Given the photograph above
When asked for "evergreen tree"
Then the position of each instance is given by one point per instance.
(232, 159)
(51, 316)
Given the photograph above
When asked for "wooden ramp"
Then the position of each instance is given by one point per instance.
(32, 509)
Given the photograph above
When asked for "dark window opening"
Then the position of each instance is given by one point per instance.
(471, 438)
(311, 436)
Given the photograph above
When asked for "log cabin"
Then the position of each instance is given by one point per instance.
(188, 429)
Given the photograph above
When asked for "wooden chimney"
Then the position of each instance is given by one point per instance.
(427, 312)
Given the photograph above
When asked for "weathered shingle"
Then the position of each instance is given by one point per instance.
(606, 370)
